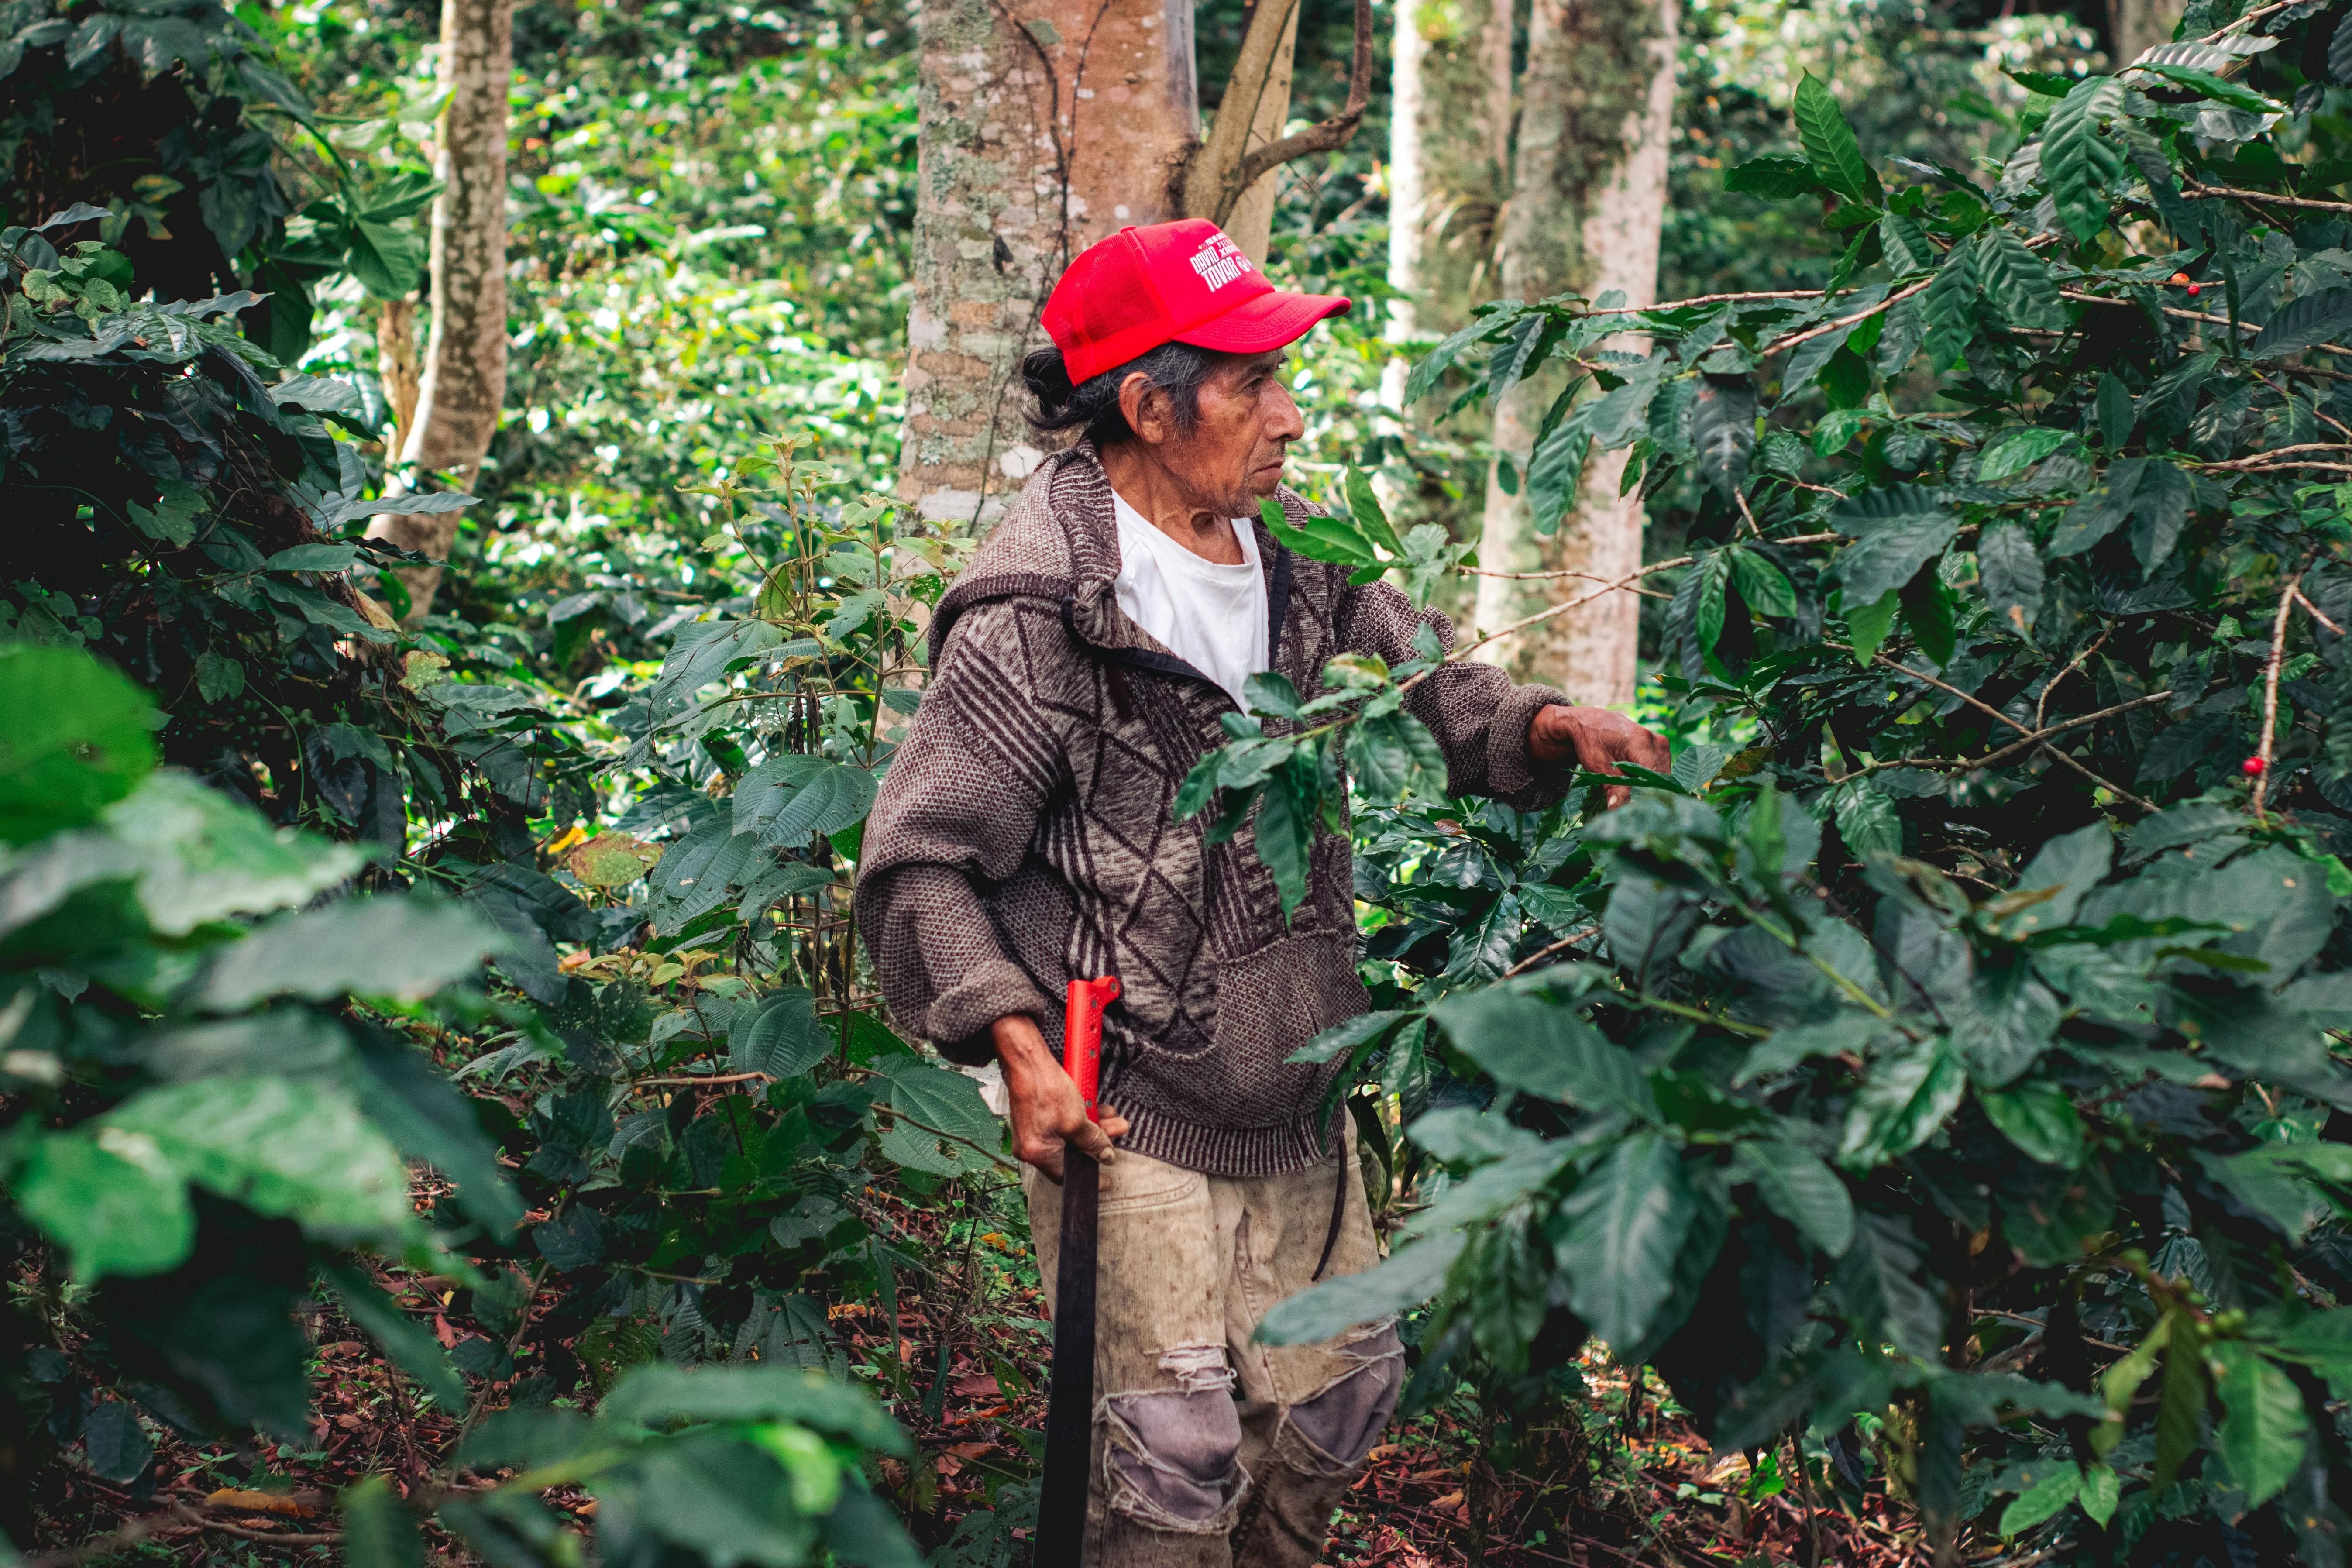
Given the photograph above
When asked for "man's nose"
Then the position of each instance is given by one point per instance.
(1285, 424)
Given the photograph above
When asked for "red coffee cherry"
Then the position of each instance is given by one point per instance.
(2252, 767)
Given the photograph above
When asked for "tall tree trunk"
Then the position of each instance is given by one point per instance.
(1251, 223)
(1588, 199)
(1463, 127)
(1036, 138)
(2136, 26)
(1407, 216)
(464, 383)
(1497, 37)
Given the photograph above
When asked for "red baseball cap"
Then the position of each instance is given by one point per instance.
(1181, 282)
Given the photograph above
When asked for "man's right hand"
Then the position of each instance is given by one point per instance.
(1048, 1113)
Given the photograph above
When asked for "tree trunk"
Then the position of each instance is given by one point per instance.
(1406, 204)
(1252, 222)
(1588, 198)
(395, 366)
(1256, 105)
(2136, 26)
(1495, 38)
(1463, 126)
(1035, 139)
(464, 383)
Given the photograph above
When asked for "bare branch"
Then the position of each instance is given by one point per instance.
(2314, 612)
(2270, 689)
(1321, 137)
(2230, 193)
(1793, 338)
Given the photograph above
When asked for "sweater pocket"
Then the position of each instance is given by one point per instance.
(1270, 1003)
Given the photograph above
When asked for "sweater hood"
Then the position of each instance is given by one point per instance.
(1060, 542)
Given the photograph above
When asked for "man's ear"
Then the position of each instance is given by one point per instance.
(1145, 408)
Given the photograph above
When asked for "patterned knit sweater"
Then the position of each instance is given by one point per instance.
(1025, 833)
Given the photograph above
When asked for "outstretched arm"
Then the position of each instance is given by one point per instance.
(1513, 742)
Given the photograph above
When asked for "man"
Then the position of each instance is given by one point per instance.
(1026, 835)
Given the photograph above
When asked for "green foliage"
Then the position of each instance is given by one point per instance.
(1974, 1012)
(726, 1464)
(1875, 1067)
(216, 1094)
(160, 1124)
(163, 132)
(176, 503)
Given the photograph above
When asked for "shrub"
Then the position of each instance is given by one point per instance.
(1948, 1047)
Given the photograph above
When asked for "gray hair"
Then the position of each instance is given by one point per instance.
(1177, 369)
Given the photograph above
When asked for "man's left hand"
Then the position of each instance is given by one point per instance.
(1596, 738)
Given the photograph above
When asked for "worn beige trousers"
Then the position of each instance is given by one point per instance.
(1211, 1451)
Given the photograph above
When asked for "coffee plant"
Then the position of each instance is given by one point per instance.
(1942, 1062)
(1936, 1071)
(211, 1107)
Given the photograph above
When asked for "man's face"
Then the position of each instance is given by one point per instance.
(1233, 455)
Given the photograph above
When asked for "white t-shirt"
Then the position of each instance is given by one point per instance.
(1213, 617)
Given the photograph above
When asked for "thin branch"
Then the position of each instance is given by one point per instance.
(1982, 706)
(1746, 516)
(1793, 338)
(2259, 458)
(1563, 572)
(2270, 689)
(2060, 729)
(1533, 959)
(1758, 296)
(2288, 392)
(991, 1155)
(1458, 655)
(2230, 193)
(174, 1520)
(2081, 297)
(2239, 24)
(313, 1538)
(698, 1081)
(2042, 704)
(2314, 612)
(2107, 783)
(1970, 765)
(2293, 467)
(1322, 136)
(1987, 708)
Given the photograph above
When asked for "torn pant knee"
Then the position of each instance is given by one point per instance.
(1174, 1458)
(1339, 1423)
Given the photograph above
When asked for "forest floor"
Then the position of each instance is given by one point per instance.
(1642, 1491)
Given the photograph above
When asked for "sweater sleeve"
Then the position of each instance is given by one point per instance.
(1479, 718)
(955, 817)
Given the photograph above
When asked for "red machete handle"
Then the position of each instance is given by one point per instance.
(1082, 1037)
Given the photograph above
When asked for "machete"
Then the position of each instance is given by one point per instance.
(1070, 1397)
